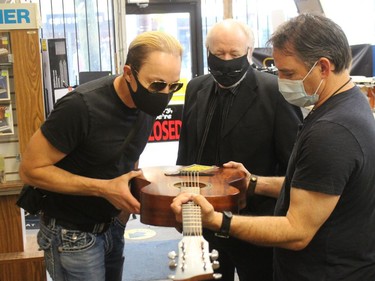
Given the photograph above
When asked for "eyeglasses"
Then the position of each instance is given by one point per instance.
(219, 73)
(158, 86)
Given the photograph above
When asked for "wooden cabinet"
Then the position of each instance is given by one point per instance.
(20, 258)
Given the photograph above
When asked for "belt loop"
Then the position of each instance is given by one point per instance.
(98, 228)
(51, 222)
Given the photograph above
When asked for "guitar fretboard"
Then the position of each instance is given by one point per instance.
(191, 212)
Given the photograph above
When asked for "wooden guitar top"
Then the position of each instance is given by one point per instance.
(224, 188)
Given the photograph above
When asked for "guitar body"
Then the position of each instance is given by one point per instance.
(224, 188)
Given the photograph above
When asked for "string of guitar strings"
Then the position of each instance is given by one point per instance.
(191, 212)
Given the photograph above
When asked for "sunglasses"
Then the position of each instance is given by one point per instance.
(158, 86)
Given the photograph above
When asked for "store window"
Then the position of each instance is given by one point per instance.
(87, 26)
(255, 13)
(263, 16)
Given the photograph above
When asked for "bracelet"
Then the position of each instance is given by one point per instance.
(252, 184)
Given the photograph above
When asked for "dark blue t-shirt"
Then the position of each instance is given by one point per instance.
(334, 154)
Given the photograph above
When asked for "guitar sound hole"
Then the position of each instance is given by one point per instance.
(181, 184)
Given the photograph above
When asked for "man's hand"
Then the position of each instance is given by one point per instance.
(119, 195)
(240, 167)
(209, 216)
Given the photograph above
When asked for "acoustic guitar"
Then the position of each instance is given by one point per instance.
(224, 188)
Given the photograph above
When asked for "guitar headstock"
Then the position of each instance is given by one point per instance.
(194, 263)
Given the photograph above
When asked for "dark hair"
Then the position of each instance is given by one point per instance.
(310, 37)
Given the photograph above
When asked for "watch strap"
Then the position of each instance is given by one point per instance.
(252, 184)
(225, 225)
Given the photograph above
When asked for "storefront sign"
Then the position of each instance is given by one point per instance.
(167, 126)
(19, 16)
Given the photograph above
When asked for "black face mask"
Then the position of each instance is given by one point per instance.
(227, 72)
(150, 103)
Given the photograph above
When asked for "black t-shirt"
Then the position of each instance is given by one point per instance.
(90, 126)
(334, 154)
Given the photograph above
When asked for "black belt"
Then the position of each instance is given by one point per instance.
(97, 228)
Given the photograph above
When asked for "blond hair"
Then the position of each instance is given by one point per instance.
(151, 41)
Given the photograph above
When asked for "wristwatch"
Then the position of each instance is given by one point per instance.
(225, 225)
(252, 185)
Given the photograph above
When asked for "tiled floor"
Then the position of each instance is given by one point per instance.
(137, 232)
(152, 233)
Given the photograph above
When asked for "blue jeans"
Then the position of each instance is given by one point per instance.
(72, 255)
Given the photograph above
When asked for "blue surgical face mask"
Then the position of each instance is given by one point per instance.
(294, 91)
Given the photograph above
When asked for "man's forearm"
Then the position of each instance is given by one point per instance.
(54, 179)
(269, 186)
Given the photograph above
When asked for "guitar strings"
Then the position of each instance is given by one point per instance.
(191, 212)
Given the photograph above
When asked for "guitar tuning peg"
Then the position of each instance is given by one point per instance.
(214, 255)
(172, 255)
(172, 264)
(215, 265)
(217, 276)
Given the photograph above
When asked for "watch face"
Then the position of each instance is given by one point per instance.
(228, 214)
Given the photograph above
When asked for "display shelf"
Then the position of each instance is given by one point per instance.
(6, 113)
(6, 119)
(4, 85)
(5, 48)
(367, 86)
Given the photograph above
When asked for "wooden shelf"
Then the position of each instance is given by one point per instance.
(31, 251)
(25, 265)
(11, 188)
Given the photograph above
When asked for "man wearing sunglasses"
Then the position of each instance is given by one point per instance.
(237, 113)
(86, 152)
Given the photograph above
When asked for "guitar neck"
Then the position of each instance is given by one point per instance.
(191, 212)
(194, 262)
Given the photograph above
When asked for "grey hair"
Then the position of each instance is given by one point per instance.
(232, 23)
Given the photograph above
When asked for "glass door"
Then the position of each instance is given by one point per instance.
(182, 19)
